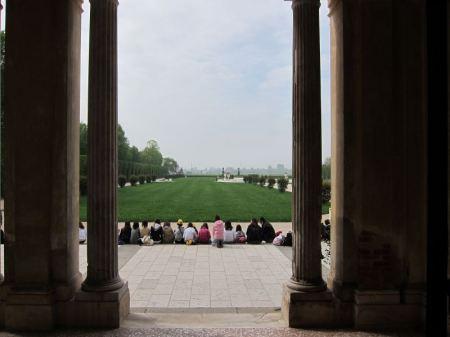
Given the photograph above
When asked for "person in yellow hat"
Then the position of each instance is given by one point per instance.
(179, 232)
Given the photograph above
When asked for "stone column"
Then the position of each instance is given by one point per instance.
(42, 97)
(1, 214)
(307, 149)
(102, 273)
(306, 303)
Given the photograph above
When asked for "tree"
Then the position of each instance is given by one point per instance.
(170, 165)
(123, 146)
(151, 154)
(83, 139)
(134, 154)
(326, 169)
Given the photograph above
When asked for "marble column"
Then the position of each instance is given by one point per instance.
(307, 149)
(1, 208)
(102, 273)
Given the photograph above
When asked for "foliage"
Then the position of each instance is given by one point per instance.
(123, 146)
(141, 180)
(170, 165)
(153, 178)
(251, 179)
(326, 169)
(262, 181)
(282, 184)
(83, 185)
(133, 180)
(271, 181)
(326, 191)
(83, 139)
(83, 165)
(151, 154)
(231, 176)
(148, 179)
(122, 181)
(135, 156)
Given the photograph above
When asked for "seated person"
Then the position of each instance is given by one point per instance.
(82, 234)
(125, 234)
(204, 236)
(268, 232)
(168, 235)
(279, 239)
(135, 237)
(218, 232)
(239, 236)
(254, 232)
(228, 236)
(190, 235)
(156, 232)
(145, 231)
(179, 232)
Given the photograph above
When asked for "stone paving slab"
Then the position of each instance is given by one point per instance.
(202, 276)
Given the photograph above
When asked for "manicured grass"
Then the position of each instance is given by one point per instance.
(200, 199)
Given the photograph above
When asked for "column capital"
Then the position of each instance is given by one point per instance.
(332, 4)
(114, 2)
(296, 3)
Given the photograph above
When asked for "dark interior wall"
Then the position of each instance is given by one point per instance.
(380, 158)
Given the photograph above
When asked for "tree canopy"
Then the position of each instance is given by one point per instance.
(150, 156)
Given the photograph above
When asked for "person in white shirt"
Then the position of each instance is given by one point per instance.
(229, 234)
(82, 234)
(190, 234)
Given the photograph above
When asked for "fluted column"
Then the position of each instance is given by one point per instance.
(1, 84)
(307, 149)
(102, 273)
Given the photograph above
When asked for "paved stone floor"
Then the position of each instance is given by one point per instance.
(221, 332)
(203, 277)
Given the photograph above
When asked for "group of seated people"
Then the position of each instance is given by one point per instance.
(220, 233)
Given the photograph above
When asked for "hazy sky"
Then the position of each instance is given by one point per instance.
(210, 80)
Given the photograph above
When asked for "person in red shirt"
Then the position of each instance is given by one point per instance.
(204, 236)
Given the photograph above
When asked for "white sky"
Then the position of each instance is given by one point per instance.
(209, 80)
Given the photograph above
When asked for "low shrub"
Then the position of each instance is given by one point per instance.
(153, 178)
(148, 179)
(262, 181)
(122, 181)
(271, 182)
(282, 184)
(231, 176)
(133, 180)
(141, 180)
(326, 191)
(83, 185)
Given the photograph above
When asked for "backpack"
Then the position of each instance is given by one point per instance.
(168, 235)
(288, 240)
(179, 234)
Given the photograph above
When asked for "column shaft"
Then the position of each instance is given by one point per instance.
(102, 274)
(307, 148)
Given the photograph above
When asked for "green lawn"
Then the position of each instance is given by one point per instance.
(200, 199)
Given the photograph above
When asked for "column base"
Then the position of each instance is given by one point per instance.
(28, 311)
(309, 309)
(90, 286)
(384, 308)
(97, 309)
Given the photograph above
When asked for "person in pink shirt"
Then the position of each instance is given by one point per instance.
(218, 232)
(204, 236)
